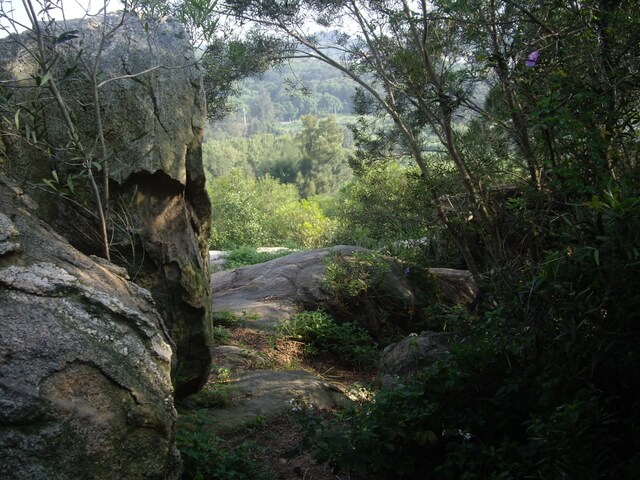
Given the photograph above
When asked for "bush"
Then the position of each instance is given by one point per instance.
(553, 396)
(243, 256)
(221, 335)
(212, 395)
(384, 203)
(363, 288)
(205, 456)
(350, 343)
(263, 212)
(224, 319)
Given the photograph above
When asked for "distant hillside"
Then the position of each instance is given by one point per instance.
(299, 87)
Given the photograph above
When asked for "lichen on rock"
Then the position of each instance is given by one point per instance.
(85, 365)
(153, 114)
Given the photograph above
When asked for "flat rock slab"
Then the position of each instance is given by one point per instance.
(264, 394)
(232, 357)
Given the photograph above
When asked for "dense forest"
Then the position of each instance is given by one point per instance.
(253, 156)
(299, 87)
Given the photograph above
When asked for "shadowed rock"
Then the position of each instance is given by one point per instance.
(259, 395)
(456, 287)
(273, 290)
(412, 354)
(85, 362)
(159, 212)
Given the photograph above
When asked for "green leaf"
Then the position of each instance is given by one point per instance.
(49, 184)
(66, 36)
(44, 80)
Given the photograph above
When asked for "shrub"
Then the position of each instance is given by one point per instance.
(363, 288)
(212, 395)
(205, 456)
(350, 343)
(243, 256)
(554, 398)
(221, 335)
(385, 202)
(263, 212)
(224, 319)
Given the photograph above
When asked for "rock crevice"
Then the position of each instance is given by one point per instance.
(159, 213)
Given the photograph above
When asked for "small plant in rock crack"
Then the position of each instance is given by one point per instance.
(223, 374)
(224, 319)
(221, 335)
(205, 455)
(213, 395)
(230, 319)
(350, 343)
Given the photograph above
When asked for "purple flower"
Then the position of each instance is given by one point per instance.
(407, 271)
(532, 59)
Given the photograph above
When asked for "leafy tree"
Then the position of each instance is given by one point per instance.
(249, 212)
(398, 59)
(382, 204)
(328, 104)
(422, 64)
(288, 111)
(323, 166)
(546, 385)
(543, 95)
(260, 155)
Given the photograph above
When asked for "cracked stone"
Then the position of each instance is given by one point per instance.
(8, 236)
(44, 279)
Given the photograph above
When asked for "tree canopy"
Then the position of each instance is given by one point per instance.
(534, 107)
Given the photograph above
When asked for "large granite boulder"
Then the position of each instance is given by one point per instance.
(267, 293)
(85, 361)
(259, 395)
(152, 107)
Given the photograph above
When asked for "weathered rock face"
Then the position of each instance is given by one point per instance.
(158, 210)
(410, 355)
(273, 290)
(400, 361)
(85, 361)
(265, 394)
(455, 287)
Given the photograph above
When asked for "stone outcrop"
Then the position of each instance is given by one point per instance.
(455, 287)
(265, 294)
(153, 111)
(401, 360)
(85, 361)
(259, 395)
(273, 290)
